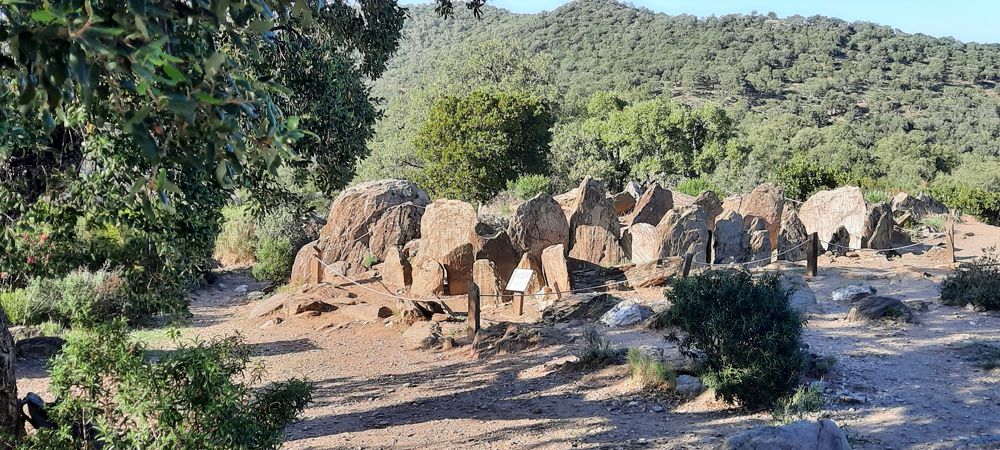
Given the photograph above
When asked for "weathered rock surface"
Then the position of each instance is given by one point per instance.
(597, 245)
(484, 274)
(688, 386)
(879, 224)
(765, 201)
(826, 211)
(635, 189)
(396, 270)
(447, 231)
(792, 238)
(852, 293)
(802, 435)
(397, 226)
(640, 243)
(839, 242)
(625, 313)
(652, 206)
(880, 307)
(919, 206)
(760, 242)
(537, 224)
(566, 201)
(731, 243)
(654, 272)
(683, 231)
(710, 203)
(556, 269)
(623, 202)
(422, 335)
(428, 279)
(349, 228)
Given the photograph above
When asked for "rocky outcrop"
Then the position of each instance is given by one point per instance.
(683, 231)
(537, 224)
(710, 203)
(792, 238)
(356, 216)
(556, 270)
(826, 211)
(594, 228)
(447, 233)
(640, 244)
(597, 245)
(652, 206)
(920, 206)
(823, 434)
(396, 270)
(840, 241)
(760, 242)
(731, 242)
(765, 202)
(879, 224)
(623, 202)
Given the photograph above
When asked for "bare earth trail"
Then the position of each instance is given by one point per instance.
(898, 386)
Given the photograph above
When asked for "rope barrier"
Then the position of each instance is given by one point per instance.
(848, 248)
(756, 261)
(386, 294)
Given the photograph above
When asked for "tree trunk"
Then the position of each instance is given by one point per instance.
(10, 413)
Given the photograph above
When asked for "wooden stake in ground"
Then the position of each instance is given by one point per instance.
(812, 254)
(317, 266)
(473, 320)
(951, 241)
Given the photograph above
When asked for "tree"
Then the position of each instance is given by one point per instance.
(473, 145)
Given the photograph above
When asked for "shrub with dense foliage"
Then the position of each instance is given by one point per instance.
(113, 391)
(801, 178)
(745, 328)
(976, 282)
(526, 187)
(278, 237)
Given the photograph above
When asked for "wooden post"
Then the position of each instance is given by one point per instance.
(709, 253)
(317, 266)
(519, 304)
(686, 268)
(950, 239)
(812, 254)
(473, 320)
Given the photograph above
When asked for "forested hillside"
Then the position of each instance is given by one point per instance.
(861, 102)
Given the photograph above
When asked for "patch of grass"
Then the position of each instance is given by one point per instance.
(234, 246)
(976, 282)
(985, 355)
(935, 224)
(597, 351)
(50, 328)
(820, 366)
(648, 372)
(877, 196)
(369, 261)
(15, 304)
(805, 400)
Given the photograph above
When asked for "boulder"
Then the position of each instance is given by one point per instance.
(534, 264)
(352, 223)
(537, 224)
(596, 244)
(635, 189)
(396, 270)
(823, 434)
(625, 313)
(556, 270)
(566, 201)
(654, 272)
(765, 202)
(428, 281)
(593, 208)
(366, 312)
(731, 243)
(710, 203)
(484, 274)
(397, 226)
(792, 238)
(40, 347)
(826, 211)
(422, 335)
(640, 244)
(652, 206)
(683, 231)
(880, 307)
(499, 250)
(447, 232)
(840, 242)
(879, 224)
(852, 293)
(623, 202)
(760, 242)
(688, 386)
(917, 207)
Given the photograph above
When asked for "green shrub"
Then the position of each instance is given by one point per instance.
(801, 178)
(806, 399)
(197, 396)
(15, 305)
(976, 282)
(935, 224)
(746, 330)
(597, 351)
(279, 237)
(235, 244)
(695, 186)
(369, 261)
(648, 372)
(875, 196)
(979, 202)
(81, 298)
(527, 186)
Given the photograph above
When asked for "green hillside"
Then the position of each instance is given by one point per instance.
(873, 105)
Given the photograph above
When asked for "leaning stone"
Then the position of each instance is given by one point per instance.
(652, 205)
(879, 225)
(396, 270)
(429, 280)
(802, 435)
(840, 242)
(731, 241)
(623, 201)
(556, 270)
(792, 238)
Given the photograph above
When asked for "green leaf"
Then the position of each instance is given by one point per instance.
(213, 63)
(43, 15)
(261, 26)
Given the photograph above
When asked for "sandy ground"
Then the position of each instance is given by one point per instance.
(895, 386)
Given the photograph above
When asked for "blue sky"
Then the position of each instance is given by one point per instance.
(966, 20)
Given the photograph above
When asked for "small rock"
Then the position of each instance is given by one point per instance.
(688, 385)
(241, 289)
(422, 335)
(439, 317)
(625, 313)
(271, 323)
(852, 293)
(657, 408)
(255, 295)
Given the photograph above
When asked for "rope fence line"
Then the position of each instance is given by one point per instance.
(848, 248)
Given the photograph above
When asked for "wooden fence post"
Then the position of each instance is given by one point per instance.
(812, 255)
(317, 266)
(709, 253)
(519, 304)
(951, 241)
(473, 320)
(686, 268)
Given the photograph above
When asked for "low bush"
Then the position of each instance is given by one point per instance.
(81, 298)
(527, 186)
(976, 282)
(977, 201)
(597, 351)
(805, 400)
(648, 372)
(695, 186)
(801, 178)
(279, 237)
(235, 244)
(15, 305)
(744, 327)
(197, 396)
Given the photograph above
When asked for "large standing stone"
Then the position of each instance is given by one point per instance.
(594, 228)
(826, 211)
(428, 280)
(556, 270)
(655, 272)
(840, 242)
(879, 224)
(500, 251)
(352, 223)
(566, 201)
(731, 241)
(918, 207)
(710, 203)
(802, 435)
(792, 238)
(400, 224)
(760, 243)
(484, 274)
(537, 224)
(623, 201)
(597, 245)
(396, 270)
(765, 201)
(537, 279)
(652, 206)
(447, 231)
(683, 231)
(640, 243)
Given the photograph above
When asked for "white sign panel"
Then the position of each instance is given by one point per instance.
(519, 280)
